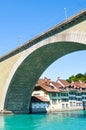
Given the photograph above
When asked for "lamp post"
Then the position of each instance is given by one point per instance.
(65, 13)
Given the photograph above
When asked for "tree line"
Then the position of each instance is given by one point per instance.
(77, 77)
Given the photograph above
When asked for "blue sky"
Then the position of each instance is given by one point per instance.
(21, 20)
(67, 66)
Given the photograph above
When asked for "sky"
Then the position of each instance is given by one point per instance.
(22, 20)
(66, 66)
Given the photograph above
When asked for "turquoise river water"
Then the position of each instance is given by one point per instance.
(74, 120)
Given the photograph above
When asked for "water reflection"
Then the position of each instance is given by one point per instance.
(71, 114)
(2, 122)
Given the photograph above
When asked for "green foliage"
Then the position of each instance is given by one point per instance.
(77, 77)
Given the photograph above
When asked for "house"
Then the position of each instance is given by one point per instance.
(50, 96)
(39, 104)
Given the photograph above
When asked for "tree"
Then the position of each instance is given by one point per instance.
(77, 77)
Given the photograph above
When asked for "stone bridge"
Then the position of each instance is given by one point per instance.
(21, 68)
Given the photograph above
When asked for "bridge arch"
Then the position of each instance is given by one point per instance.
(25, 64)
(32, 65)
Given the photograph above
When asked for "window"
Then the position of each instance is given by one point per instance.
(66, 105)
(63, 106)
(80, 104)
(64, 94)
(78, 94)
(72, 98)
(58, 94)
(59, 100)
(54, 101)
(71, 104)
(64, 100)
(53, 94)
(72, 93)
(84, 98)
(77, 104)
(78, 99)
(74, 103)
(83, 93)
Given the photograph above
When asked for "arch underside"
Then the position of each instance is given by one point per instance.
(23, 82)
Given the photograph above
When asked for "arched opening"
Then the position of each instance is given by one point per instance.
(47, 95)
(23, 82)
(66, 66)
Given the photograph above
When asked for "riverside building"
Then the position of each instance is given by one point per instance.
(50, 96)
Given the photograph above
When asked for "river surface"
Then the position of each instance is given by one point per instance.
(74, 120)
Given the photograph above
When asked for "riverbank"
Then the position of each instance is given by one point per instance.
(5, 112)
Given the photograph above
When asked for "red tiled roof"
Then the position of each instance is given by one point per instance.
(56, 84)
(64, 82)
(59, 86)
(40, 98)
(83, 85)
(47, 86)
(79, 84)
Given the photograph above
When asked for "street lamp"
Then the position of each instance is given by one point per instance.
(65, 13)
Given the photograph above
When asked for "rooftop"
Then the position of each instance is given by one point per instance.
(59, 85)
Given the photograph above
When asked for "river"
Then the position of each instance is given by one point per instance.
(72, 120)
